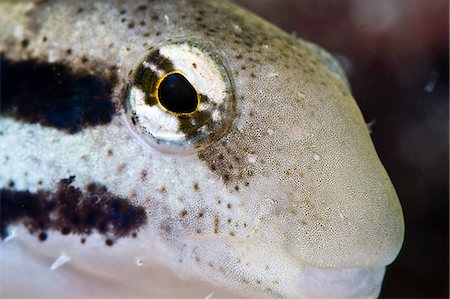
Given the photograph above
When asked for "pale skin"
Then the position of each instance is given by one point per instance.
(279, 195)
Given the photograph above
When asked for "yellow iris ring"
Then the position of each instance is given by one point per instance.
(158, 102)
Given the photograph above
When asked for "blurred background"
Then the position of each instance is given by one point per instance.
(396, 55)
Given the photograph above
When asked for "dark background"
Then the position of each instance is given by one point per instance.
(396, 54)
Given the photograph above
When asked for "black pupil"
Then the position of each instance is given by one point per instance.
(177, 95)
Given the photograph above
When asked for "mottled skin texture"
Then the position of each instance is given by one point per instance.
(293, 186)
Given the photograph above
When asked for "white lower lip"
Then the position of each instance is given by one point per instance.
(340, 283)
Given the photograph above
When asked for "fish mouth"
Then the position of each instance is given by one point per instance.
(316, 282)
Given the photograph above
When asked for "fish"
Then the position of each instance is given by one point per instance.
(183, 149)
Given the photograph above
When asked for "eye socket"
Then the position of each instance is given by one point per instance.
(176, 94)
(181, 98)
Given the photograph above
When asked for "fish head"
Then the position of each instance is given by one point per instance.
(278, 187)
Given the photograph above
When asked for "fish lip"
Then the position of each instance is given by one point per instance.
(317, 282)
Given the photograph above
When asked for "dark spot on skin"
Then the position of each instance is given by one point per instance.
(142, 23)
(123, 11)
(252, 75)
(162, 190)
(84, 59)
(70, 210)
(155, 17)
(198, 231)
(232, 234)
(10, 184)
(158, 33)
(200, 215)
(216, 225)
(196, 187)
(194, 65)
(229, 206)
(110, 153)
(65, 230)
(143, 175)
(109, 242)
(42, 237)
(183, 213)
(54, 96)
(226, 177)
(80, 10)
(134, 235)
(69, 51)
(24, 43)
(236, 188)
(141, 7)
(131, 24)
(44, 39)
(83, 240)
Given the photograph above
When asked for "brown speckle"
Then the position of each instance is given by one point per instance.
(143, 175)
(229, 205)
(162, 190)
(109, 242)
(131, 24)
(196, 187)
(83, 240)
(84, 59)
(121, 167)
(110, 152)
(183, 213)
(69, 51)
(200, 215)
(216, 225)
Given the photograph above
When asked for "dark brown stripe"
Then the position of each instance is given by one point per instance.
(70, 210)
(54, 96)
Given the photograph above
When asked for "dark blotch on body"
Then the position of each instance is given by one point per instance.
(54, 96)
(70, 210)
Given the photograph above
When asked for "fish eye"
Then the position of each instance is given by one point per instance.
(176, 94)
(180, 98)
